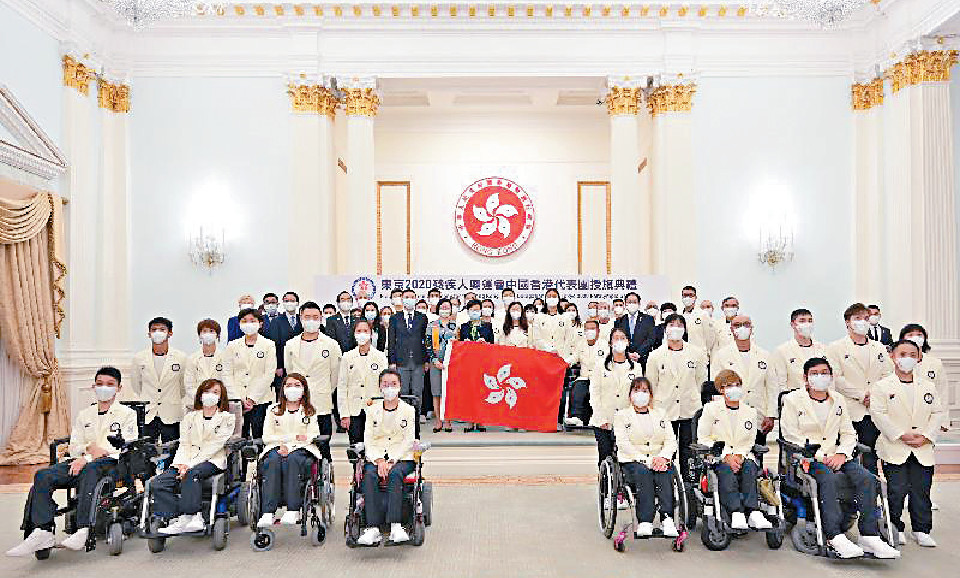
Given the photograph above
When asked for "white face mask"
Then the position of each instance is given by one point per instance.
(590, 334)
(571, 315)
(618, 310)
(293, 392)
(674, 333)
(390, 393)
(290, 306)
(514, 314)
(632, 308)
(209, 399)
(396, 301)
(246, 306)
(619, 346)
(369, 315)
(486, 311)
(346, 305)
(433, 301)
(906, 364)
(409, 303)
(208, 338)
(104, 392)
(474, 315)
(708, 311)
(640, 398)
(733, 393)
(385, 319)
(859, 326)
(688, 301)
(742, 333)
(552, 301)
(362, 338)
(805, 329)
(820, 381)
(652, 311)
(666, 314)
(918, 339)
(158, 337)
(311, 325)
(591, 312)
(249, 328)
(270, 308)
(422, 310)
(731, 312)
(604, 313)
(531, 316)
(874, 320)
(445, 312)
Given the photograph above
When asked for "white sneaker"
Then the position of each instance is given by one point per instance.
(876, 546)
(174, 527)
(38, 540)
(574, 421)
(934, 506)
(622, 503)
(266, 520)
(902, 538)
(195, 523)
(758, 521)
(738, 521)
(423, 419)
(644, 529)
(290, 517)
(398, 534)
(845, 548)
(669, 528)
(369, 537)
(923, 539)
(76, 541)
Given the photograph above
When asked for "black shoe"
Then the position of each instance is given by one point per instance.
(470, 429)
(448, 429)
(481, 428)
(437, 429)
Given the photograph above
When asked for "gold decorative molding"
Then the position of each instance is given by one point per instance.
(361, 102)
(923, 66)
(113, 97)
(671, 98)
(867, 95)
(77, 75)
(622, 100)
(312, 98)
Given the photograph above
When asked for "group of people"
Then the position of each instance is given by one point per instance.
(301, 370)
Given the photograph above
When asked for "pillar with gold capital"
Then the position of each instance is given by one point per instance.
(312, 237)
(630, 200)
(361, 104)
(670, 102)
(867, 100)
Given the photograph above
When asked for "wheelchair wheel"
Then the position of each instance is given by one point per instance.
(607, 497)
(220, 534)
(262, 540)
(419, 533)
(115, 539)
(775, 537)
(253, 503)
(804, 538)
(426, 499)
(327, 493)
(243, 504)
(100, 499)
(318, 535)
(156, 545)
(681, 507)
(713, 536)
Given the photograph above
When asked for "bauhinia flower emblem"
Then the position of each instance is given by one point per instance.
(503, 387)
(494, 216)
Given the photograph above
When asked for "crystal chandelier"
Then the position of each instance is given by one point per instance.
(142, 13)
(776, 245)
(826, 13)
(206, 249)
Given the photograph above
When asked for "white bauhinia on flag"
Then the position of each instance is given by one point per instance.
(503, 387)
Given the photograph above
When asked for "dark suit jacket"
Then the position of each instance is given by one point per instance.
(886, 337)
(341, 332)
(407, 344)
(280, 333)
(381, 342)
(233, 329)
(644, 337)
(484, 332)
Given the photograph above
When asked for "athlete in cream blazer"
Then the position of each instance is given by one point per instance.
(609, 390)
(389, 434)
(736, 428)
(677, 377)
(92, 428)
(164, 391)
(357, 383)
(282, 430)
(549, 332)
(322, 370)
(760, 387)
(253, 368)
(590, 357)
(800, 425)
(700, 329)
(788, 360)
(900, 408)
(851, 378)
(201, 368)
(203, 440)
(643, 436)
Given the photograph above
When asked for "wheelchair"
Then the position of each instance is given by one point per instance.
(801, 506)
(417, 494)
(574, 387)
(716, 532)
(612, 487)
(221, 493)
(117, 497)
(316, 509)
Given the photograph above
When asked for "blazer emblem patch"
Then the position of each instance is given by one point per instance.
(880, 357)
(928, 397)
(218, 367)
(325, 353)
(631, 376)
(748, 425)
(374, 366)
(663, 424)
(697, 321)
(403, 423)
(762, 364)
(260, 355)
(305, 419)
(627, 425)
(175, 367)
(932, 374)
(691, 365)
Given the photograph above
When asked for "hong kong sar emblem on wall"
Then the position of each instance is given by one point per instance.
(494, 216)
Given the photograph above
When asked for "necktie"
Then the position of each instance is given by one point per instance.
(633, 323)
(409, 321)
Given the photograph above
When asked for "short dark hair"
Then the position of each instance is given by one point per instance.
(161, 321)
(473, 302)
(482, 301)
(325, 307)
(250, 311)
(815, 361)
(873, 306)
(270, 294)
(798, 312)
(342, 293)
(294, 293)
(209, 324)
(434, 290)
(910, 328)
(395, 291)
(442, 301)
(408, 290)
(510, 289)
(668, 305)
(310, 305)
(617, 300)
(386, 372)
(725, 299)
(899, 342)
(634, 293)
(689, 288)
(108, 371)
(855, 309)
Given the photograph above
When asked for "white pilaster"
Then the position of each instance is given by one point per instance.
(675, 255)
(361, 108)
(868, 227)
(629, 201)
(113, 277)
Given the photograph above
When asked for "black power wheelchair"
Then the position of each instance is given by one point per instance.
(417, 493)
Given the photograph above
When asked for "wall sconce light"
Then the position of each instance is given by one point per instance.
(776, 244)
(207, 249)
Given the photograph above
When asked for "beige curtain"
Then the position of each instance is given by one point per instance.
(31, 311)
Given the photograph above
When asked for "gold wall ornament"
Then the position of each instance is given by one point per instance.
(361, 102)
(671, 98)
(923, 66)
(113, 97)
(77, 75)
(867, 95)
(622, 100)
(312, 98)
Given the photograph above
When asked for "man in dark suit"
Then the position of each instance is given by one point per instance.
(475, 329)
(282, 329)
(271, 311)
(339, 327)
(408, 350)
(639, 327)
(878, 332)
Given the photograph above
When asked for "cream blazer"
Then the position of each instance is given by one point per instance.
(643, 436)
(931, 368)
(788, 360)
(165, 391)
(590, 357)
(516, 338)
(610, 390)
(359, 379)
(895, 414)
(201, 368)
(389, 434)
(851, 378)
(700, 330)
(322, 371)
(574, 336)
(282, 430)
(549, 332)
(92, 428)
(799, 424)
(676, 378)
(253, 369)
(736, 428)
(760, 387)
(202, 440)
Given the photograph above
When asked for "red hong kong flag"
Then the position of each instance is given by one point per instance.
(501, 385)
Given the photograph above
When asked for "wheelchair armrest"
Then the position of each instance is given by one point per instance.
(320, 440)
(421, 446)
(250, 450)
(759, 450)
(53, 449)
(700, 449)
(861, 449)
